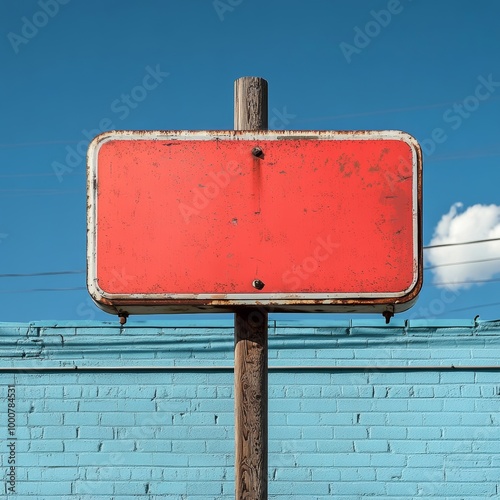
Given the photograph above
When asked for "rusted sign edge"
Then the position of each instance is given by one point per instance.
(210, 135)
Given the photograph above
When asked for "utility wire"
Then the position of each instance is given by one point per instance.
(47, 174)
(83, 288)
(77, 172)
(29, 290)
(55, 273)
(467, 282)
(83, 271)
(38, 143)
(461, 263)
(49, 273)
(474, 307)
(383, 111)
(464, 156)
(35, 192)
(461, 243)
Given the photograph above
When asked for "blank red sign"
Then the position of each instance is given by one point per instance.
(186, 221)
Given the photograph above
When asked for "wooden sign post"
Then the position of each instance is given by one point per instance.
(250, 338)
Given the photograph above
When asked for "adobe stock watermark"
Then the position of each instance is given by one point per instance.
(223, 6)
(31, 26)
(203, 194)
(86, 310)
(322, 251)
(363, 36)
(455, 115)
(437, 306)
(121, 108)
(280, 119)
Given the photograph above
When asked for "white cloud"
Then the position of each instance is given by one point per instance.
(478, 222)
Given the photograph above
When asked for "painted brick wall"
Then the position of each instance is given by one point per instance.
(167, 432)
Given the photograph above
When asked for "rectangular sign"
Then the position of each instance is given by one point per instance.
(186, 221)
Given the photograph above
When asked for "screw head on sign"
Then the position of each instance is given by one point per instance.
(259, 285)
(257, 152)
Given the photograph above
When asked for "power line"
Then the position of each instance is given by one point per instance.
(39, 143)
(464, 156)
(382, 111)
(47, 174)
(49, 273)
(474, 307)
(79, 172)
(458, 244)
(35, 192)
(83, 288)
(82, 271)
(466, 282)
(494, 280)
(461, 263)
(29, 290)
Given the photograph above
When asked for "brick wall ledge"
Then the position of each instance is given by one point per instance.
(287, 368)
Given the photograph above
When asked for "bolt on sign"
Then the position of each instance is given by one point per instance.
(191, 221)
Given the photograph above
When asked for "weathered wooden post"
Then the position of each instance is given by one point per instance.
(250, 335)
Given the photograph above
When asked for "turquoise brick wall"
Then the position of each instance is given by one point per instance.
(355, 410)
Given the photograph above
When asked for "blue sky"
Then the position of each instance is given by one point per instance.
(428, 68)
